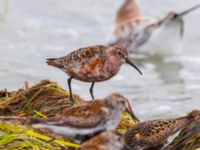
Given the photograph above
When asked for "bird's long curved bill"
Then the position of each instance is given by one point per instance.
(132, 114)
(134, 66)
(134, 117)
(188, 10)
(130, 111)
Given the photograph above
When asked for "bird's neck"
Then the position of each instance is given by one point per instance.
(113, 64)
(128, 10)
(116, 108)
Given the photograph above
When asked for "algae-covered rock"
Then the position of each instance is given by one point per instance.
(44, 99)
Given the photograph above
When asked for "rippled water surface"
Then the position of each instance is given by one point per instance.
(33, 30)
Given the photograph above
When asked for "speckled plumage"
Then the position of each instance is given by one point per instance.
(155, 133)
(109, 140)
(89, 118)
(92, 64)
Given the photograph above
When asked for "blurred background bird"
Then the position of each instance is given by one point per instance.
(143, 35)
(127, 21)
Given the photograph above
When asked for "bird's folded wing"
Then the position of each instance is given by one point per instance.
(83, 118)
(158, 133)
(83, 55)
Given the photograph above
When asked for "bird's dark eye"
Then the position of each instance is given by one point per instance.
(119, 53)
(118, 139)
(123, 102)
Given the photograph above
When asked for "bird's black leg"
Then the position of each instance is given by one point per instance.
(91, 90)
(70, 90)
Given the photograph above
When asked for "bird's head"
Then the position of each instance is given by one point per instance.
(119, 101)
(119, 55)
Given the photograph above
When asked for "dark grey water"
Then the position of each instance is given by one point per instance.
(33, 30)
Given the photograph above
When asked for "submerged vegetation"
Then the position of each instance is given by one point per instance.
(43, 100)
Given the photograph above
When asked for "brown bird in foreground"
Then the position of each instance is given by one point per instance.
(88, 119)
(153, 134)
(108, 140)
(92, 64)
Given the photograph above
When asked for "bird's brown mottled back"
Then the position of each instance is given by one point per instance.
(80, 56)
(154, 133)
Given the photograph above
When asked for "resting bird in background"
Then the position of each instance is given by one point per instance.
(92, 64)
(140, 35)
(153, 134)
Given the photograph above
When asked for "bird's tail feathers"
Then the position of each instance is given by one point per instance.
(56, 62)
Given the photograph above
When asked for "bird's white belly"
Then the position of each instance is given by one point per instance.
(69, 131)
(114, 122)
(111, 124)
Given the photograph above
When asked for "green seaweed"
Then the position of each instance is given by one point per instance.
(24, 137)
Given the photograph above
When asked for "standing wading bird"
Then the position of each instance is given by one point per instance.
(85, 120)
(140, 35)
(92, 64)
(153, 134)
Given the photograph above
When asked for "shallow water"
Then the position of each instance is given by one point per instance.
(34, 30)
